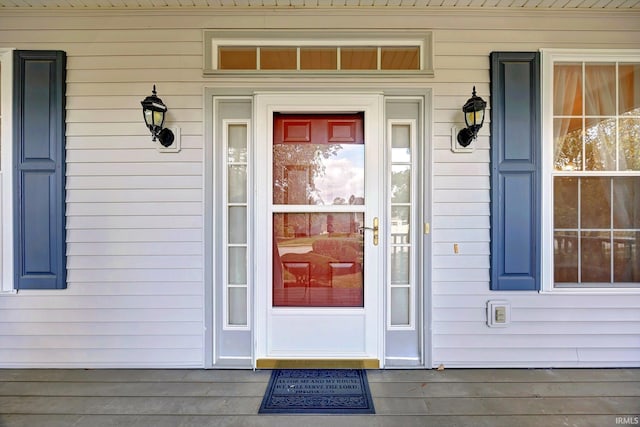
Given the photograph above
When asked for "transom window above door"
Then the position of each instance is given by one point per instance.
(327, 52)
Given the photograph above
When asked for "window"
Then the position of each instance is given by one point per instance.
(238, 57)
(592, 169)
(236, 282)
(302, 52)
(402, 257)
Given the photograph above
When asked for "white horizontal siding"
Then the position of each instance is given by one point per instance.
(135, 248)
(135, 257)
(105, 342)
(453, 221)
(105, 301)
(184, 316)
(137, 222)
(133, 169)
(122, 328)
(123, 182)
(524, 328)
(162, 354)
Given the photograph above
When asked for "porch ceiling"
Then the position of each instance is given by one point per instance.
(593, 5)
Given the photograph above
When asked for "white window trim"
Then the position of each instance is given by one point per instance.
(213, 39)
(549, 57)
(6, 175)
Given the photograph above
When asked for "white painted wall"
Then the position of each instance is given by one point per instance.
(135, 232)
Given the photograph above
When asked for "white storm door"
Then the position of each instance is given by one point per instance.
(319, 189)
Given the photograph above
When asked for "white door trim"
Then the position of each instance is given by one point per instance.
(236, 349)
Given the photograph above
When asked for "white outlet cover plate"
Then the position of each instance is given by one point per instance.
(491, 309)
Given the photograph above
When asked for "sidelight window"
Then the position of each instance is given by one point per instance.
(402, 204)
(236, 295)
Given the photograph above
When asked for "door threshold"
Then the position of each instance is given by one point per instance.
(317, 364)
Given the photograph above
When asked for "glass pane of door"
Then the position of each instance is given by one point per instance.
(318, 210)
(314, 266)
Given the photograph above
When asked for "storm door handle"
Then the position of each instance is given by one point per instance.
(376, 230)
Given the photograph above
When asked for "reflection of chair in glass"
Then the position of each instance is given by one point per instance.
(328, 259)
(339, 269)
(300, 271)
(346, 253)
(306, 269)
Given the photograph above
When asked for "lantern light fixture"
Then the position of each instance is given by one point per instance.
(473, 111)
(153, 111)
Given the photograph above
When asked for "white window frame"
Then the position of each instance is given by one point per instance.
(225, 221)
(214, 39)
(6, 175)
(413, 225)
(549, 58)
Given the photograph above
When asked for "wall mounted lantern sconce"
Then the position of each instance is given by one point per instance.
(154, 110)
(473, 111)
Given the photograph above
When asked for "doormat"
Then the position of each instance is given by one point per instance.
(317, 391)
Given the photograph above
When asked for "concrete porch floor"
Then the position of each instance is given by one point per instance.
(403, 398)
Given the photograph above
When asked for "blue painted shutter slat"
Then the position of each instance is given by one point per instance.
(515, 171)
(39, 159)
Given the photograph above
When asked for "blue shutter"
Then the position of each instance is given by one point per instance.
(39, 159)
(515, 171)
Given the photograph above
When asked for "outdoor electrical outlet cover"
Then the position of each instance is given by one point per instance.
(498, 314)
